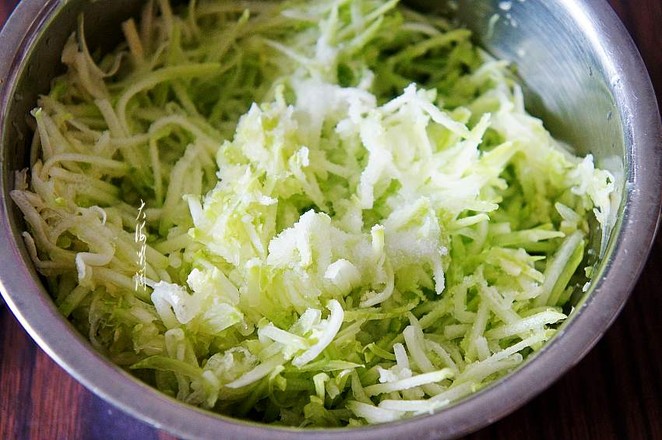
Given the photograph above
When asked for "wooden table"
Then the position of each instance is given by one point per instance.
(614, 393)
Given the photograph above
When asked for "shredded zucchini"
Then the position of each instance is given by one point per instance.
(309, 213)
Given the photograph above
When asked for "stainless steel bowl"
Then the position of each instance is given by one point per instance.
(583, 75)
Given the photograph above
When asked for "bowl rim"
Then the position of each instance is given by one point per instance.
(634, 231)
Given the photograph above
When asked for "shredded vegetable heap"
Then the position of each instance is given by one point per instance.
(308, 213)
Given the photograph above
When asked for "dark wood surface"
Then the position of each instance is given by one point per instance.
(614, 393)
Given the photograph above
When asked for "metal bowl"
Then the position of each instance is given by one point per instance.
(583, 76)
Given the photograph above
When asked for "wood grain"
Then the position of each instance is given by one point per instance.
(614, 393)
